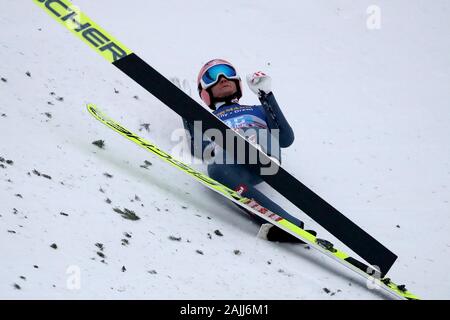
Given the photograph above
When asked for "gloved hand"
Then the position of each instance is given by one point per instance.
(258, 82)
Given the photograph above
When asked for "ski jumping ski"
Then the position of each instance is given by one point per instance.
(324, 246)
(362, 243)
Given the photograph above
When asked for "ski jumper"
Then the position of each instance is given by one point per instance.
(261, 119)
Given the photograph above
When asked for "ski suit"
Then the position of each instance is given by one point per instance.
(262, 120)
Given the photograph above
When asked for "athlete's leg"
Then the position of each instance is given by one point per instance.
(238, 178)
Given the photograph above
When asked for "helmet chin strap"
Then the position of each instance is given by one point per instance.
(232, 98)
(218, 104)
(223, 101)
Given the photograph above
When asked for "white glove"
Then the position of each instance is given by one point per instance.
(259, 81)
(183, 86)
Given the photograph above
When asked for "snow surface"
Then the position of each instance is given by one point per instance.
(370, 109)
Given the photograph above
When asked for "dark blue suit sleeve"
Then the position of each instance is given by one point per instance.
(196, 148)
(276, 119)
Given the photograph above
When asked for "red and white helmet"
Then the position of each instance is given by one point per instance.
(210, 74)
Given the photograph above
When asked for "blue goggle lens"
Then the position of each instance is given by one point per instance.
(212, 74)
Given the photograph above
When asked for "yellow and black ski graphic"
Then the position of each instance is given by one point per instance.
(84, 28)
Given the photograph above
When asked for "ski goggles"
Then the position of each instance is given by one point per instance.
(212, 75)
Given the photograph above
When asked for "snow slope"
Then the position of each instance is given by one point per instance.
(371, 116)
